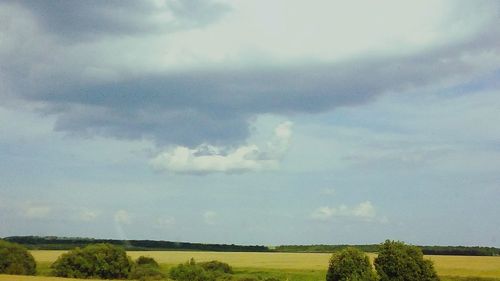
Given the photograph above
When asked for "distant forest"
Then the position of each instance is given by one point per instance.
(373, 248)
(66, 243)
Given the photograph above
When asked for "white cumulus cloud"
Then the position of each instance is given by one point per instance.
(209, 159)
(364, 210)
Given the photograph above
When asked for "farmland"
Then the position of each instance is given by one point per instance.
(294, 266)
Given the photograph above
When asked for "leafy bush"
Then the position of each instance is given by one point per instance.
(142, 260)
(15, 259)
(190, 271)
(94, 261)
(401, 262)
(258, 278)
(146, 268)
(205, 271)
(348, 265)
(146, 272)
(217, 266)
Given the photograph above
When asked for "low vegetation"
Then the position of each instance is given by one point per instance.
(146, 268)
(206, 271)
(217, 266)
(104, 261)
(15, 259)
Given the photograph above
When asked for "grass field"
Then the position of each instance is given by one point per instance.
(291, 266)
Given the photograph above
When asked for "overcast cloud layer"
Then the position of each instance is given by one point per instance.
(140, 70)
(180, 91)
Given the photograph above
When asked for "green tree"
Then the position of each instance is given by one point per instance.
(350, 264)
(15, 259)
(397, 261)
(94, 261)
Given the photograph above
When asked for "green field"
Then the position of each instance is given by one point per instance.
(286, 266)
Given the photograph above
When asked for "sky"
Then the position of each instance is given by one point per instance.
(251, 122)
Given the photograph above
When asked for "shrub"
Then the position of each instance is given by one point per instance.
(146, 268)
(217, 266)
(401, 262)
(190, 271)
(348, 265)
(146, 272)
(142, 260)
(94, 261)
(15, 259)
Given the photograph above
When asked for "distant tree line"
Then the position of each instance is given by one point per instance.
(325, 248)
(64, 243)
(374, 248)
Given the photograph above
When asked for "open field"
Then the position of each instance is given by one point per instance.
(294, 266)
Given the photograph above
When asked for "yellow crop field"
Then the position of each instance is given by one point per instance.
(445, 265)
(467, 266)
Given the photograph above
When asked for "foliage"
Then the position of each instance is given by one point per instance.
(348, 265)
(258, 279)
(397, 261)
(146, 272)
(217, 266)
(15, 259)
(94, 261)
(206, 271)
(142, 260)
(146, 268)
(190, 271)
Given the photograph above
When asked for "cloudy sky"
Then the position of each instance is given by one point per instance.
(251, 122)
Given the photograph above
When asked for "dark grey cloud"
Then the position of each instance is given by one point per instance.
(75, 20)
(206, 106)
(215, 105)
